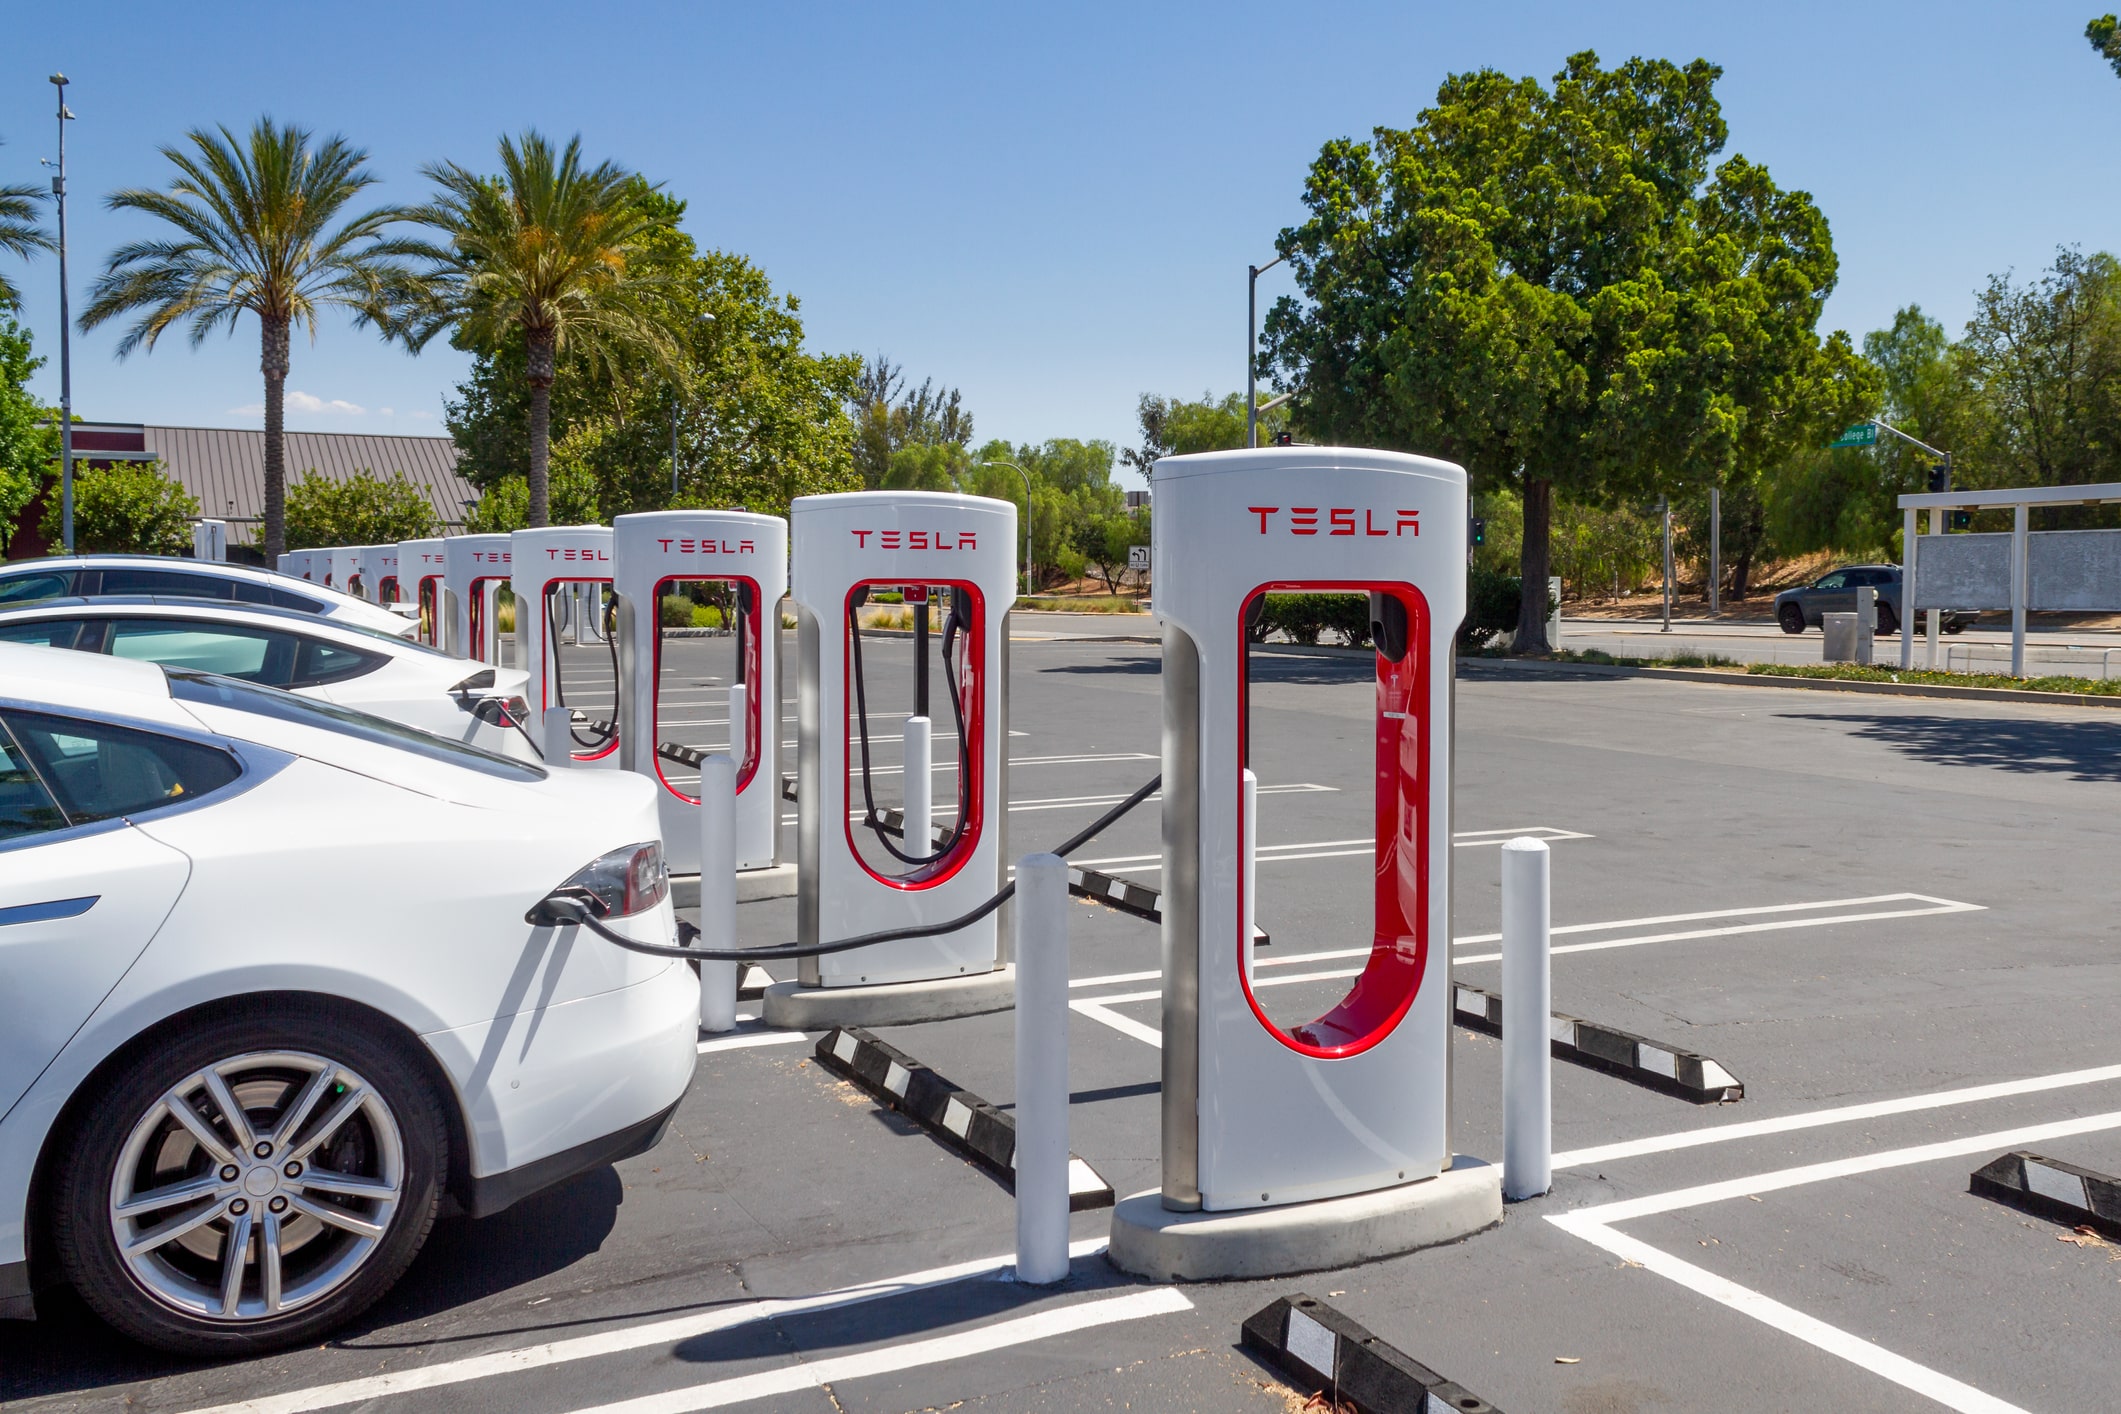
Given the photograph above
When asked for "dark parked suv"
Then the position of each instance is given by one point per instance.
(1835, 593)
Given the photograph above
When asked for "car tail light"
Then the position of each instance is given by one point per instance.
(624, 882)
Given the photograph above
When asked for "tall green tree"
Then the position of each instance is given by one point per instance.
(759, 419)
(2104, 36)
(1550, 286)
(127, 508)
(20, 233)
(26, 429)
(1172, 427)
(361, 509)
(255, 229)
(889, 417)
(552, 253)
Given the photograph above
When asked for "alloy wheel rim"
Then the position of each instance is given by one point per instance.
(257, 1185)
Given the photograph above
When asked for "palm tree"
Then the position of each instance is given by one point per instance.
(19, 233)
(551, 253)
(254, 234)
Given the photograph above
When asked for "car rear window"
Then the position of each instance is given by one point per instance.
(250, 593)
(96, 771)
(238, 696)
(22, 588)
(42, 633)
(187, 584)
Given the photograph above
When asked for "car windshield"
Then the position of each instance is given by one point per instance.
(239, 696)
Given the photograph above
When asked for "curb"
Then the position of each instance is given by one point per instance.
(958, 1119)
(1136, 900)
(2049, 1188)
(1322, 1350)
(1651, 1064)
(1505, 666)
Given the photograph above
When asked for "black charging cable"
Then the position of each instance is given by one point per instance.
(583, 909)
(872, 818)
(559, 681)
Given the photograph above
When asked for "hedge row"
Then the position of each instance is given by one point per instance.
(1491, 608)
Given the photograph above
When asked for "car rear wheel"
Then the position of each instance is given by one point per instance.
(251, 1184)
(1888, 621)
(1791, 618)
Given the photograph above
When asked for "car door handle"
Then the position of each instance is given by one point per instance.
(48, 911)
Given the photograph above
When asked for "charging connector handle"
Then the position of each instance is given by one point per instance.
(557, 908)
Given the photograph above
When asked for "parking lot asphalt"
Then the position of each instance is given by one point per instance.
(1891, 919)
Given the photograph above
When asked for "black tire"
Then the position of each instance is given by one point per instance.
(106, 1154)
(1791, 618)
(1955, 625)
(1888, 621)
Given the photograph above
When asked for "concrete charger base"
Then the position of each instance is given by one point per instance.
(1151, 1241)
(752, 885)
(799, 1008)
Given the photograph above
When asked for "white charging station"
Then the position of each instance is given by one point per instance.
(209, 540)
(377, 566)
(421, 564)
(658, 553)
(1277, 1117)
(341, 568)
(474, 567)
(301, 564)
(845, 547)
(558, 575)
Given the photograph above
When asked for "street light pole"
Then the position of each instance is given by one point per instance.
(66, 360)
(1252, 274)
(1026, 571)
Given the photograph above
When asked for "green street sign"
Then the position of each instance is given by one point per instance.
(1862, 434)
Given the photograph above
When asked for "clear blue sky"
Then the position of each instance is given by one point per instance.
(1049, 207)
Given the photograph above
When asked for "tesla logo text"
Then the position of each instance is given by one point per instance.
(709, 547)
(1340, 520)
(489, 557)
(919, 539)
(555, 553)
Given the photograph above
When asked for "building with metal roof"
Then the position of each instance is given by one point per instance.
(224, 469)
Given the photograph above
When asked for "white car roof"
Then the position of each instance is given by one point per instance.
(338, 604)
(61, 678)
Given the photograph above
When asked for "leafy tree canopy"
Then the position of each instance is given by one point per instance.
(1554, 287)
(759, 420)
(889, 418)
(362, 509)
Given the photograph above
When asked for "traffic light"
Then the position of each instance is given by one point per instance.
(1480, 531)
(1285, 438)
(1940, 477)
(1962, 520)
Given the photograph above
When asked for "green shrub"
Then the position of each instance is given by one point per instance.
(676, 611)
(361, 509)
(1307, 618)
(706, 616)
(129, 508)
(1070, 562)
(1491, 606)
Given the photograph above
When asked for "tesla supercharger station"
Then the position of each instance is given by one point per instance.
(301, 564)
(559, 574)
(1259, 1114)
(656, 553)
(844, 547)
(474, 567)
(377, 566)
(341, 565)
(421, 564)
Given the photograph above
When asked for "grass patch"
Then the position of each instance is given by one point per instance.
(1674, 660)
(1087, 604)
(1850, 672)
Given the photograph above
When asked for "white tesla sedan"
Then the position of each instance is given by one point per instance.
(62, 576)
(269, 989)
(334, 660)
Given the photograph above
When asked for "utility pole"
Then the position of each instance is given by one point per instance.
(1252, 274)
(1715, 552)
(1664, 512)
(66, 360)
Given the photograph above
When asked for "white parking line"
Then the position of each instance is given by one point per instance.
(1935, 906)
(1328, 849)
(613, 1342)
(817, 1374)
(746, 1039)
(1098, 1009)
(1594, 1225)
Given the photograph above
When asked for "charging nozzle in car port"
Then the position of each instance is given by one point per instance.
(616, 885)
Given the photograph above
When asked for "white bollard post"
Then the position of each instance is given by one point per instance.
(739, 712)
(1041, 1069)
(1527, 1005)
(558, 738)
(920, 788)
(718, 980)
(1248, 843)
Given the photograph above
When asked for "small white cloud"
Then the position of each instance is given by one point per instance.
(424, 416)
(310, 402)
(387, 412)
(248, 410)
